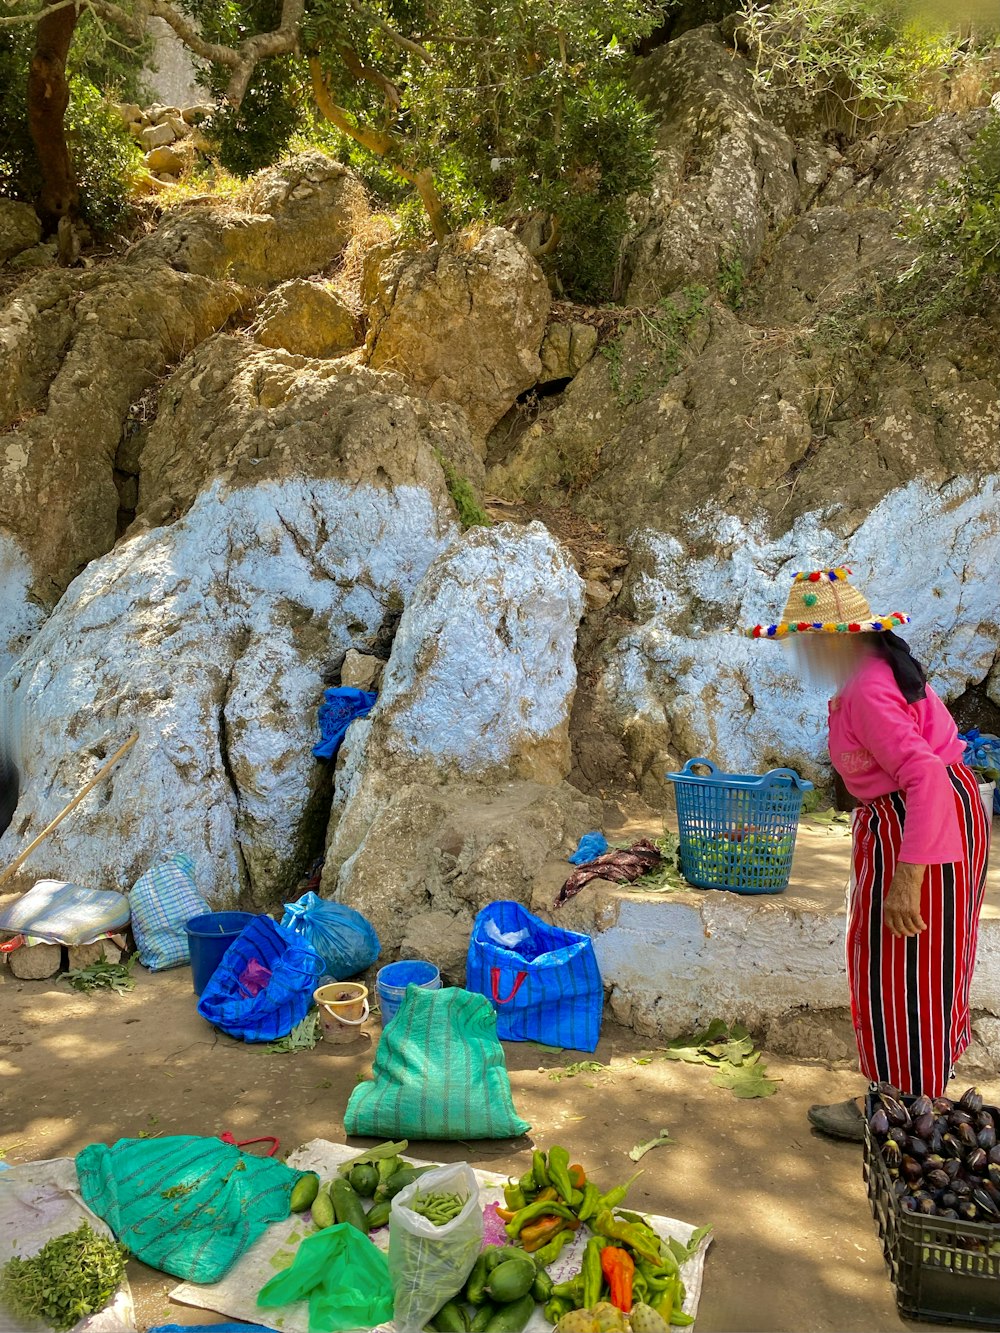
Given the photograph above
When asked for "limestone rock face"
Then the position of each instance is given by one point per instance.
(466, 749)
(20, 228)
(463, 325)
(213, 636)
(724, 175)
(700, 686)
(301, 216)
(307, 319)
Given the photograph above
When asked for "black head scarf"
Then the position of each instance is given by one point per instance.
(910, 675)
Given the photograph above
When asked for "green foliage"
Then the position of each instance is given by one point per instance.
(471, 514)
(103, 152)
(732, 277)
(70, 1277)
(860, 59)
(662, 335)
(959, 231)
(103, 975)
(520, 107)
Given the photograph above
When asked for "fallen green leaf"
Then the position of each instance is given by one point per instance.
(578, 1067)
(303, 1037)
(746, 1082)
(640, 1149)
(103, 975)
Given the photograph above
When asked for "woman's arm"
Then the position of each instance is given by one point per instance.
(885, 725)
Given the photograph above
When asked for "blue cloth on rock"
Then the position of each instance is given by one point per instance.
(342, 706)
(592, 845)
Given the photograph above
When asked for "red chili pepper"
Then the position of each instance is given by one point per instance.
(578, 1176)
(618, 1270)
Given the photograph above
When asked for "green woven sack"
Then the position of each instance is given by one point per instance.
(186, 1205)
(439, 1073)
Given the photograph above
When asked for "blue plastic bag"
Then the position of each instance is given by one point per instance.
(236, 1001)
(341, 706)
(343, 938)
(546, 987)
(591, 846)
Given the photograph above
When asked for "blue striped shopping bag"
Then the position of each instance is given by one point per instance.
(543, 982)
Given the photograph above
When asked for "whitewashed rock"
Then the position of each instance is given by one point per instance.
(701, 687)
(156, 136)
(36, 963)
(213, 636)
(19, 228)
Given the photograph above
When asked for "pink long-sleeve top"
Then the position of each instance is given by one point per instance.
(880, 744)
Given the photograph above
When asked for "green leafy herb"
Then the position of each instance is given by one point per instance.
(303, 1037)
(578, 1067)
(103, 975)
(641, 1149)
(70, 1277)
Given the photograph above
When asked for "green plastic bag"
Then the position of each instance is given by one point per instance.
(439, 1073)
(344, 1277)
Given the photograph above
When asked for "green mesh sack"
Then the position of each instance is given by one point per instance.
(439, 1073)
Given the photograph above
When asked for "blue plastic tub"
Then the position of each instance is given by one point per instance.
(209, 937)
(737, 831)
(392, 980)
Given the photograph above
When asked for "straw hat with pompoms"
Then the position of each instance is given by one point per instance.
(825, 602)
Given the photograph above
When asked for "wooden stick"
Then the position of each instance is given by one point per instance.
(98, 776)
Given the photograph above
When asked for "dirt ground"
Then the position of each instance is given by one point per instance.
(795, 1247)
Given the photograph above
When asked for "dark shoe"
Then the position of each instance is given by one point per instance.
(842, 1120)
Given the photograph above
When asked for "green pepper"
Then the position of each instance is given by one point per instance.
(539, 1170)
(549, 1253)
(618, 1195)
(626, 1233)
(559, 1172)
(546, 1208)
(681, 1320)
(590, 1203)
(663, 1302)
(527, 1184)
(593, 1277)
(514, 1196)
(571, 1291)
(556, 1308)
(659, 1275)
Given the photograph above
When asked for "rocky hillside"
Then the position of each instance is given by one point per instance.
(224, 468)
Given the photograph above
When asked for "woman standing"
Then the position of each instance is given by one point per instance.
(920, 842)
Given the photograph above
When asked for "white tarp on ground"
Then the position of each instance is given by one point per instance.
(236, 1294)
(41, 1200)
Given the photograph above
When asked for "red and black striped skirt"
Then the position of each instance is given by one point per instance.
(910, 997)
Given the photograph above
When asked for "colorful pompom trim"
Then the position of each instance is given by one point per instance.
(829, 627)
(824, 575)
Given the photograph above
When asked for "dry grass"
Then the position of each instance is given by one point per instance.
(369, 232)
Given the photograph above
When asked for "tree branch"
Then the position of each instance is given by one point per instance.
(8, 20)
(397, 38)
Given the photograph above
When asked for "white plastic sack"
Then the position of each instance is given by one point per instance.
(428, 1264)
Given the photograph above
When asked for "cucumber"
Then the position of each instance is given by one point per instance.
(476, 1285)
(499, 1254)
(451, 1318)
(378, 1215)
(323, 1215)
(392, 1186)
(364, 1180)
(305, 1191)
(483, 1316)
(510, 1281)
(512, 1318)
(348, 1206)
(541, 1288)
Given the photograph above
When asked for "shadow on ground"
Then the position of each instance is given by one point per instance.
(795, 1247)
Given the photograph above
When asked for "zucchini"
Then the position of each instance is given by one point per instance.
(512, 1318)
(305, 1191)
(323, 1215)
(482, 1317)
(451, 1318)
(392, 1186)
(378, 1215)
(348, 1206)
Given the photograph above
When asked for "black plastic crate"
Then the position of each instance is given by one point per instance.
(943, 1270)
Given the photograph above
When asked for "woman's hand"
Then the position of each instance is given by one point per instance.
(901, 910)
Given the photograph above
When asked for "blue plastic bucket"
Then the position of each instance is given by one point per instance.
(392, 980)
(209, 937)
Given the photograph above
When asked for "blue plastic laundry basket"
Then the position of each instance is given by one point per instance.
(737, 831)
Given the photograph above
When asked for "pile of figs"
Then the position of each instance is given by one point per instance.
(943, 1156)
